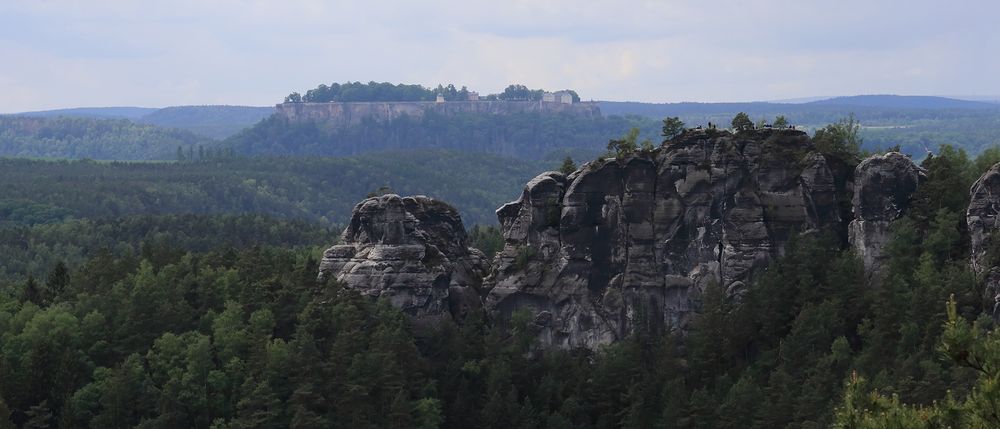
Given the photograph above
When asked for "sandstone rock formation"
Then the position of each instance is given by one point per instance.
(638, 239)
(411, 251)
(340, 115)
(983, 218)
(883, 187)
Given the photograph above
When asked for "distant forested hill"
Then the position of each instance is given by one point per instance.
(916, 124)
(323, 190)
(520, 135)
(217, 122)
(94, 112)
(66, 137)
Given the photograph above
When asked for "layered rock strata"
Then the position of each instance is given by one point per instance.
(983, 218)
(411, 251)
(637, 239)
(883, 188)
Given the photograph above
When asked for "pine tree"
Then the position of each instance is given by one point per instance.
(32, 291)
(39, 416)
(568, 166)
(5, 422)
(57, 281)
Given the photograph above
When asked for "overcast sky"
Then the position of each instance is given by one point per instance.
(56, 54)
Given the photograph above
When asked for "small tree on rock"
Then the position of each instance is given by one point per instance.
(672, 127)
(568, 166)
(626, 145)
(742, 122)
(780, 122)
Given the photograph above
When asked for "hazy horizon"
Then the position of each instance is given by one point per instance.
(61, 54)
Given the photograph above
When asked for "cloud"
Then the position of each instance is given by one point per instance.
(63, 53)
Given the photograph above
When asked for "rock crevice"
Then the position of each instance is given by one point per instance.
(411, 251)
(637, 240)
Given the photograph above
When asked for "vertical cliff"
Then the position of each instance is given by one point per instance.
(983, 218)
(640, 238)
(635, 239)
(411, 251)
(341, 115)
(883, 188)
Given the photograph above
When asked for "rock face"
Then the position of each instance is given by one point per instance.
(983, 218)
(411, 251)
(637, 240)
(339, 115)
(883, 187)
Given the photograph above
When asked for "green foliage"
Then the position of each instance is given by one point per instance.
(524, 135)
(216, 321)
(488, 239)
(672, 127)
(322, 190)
(217, 122)
(64, 137)
(969, 345)
(568, 166)
(626, 145)
(841, 140)
(385, 91)
(523, 256)
(780, 122)
(35, 250)
(742, 122)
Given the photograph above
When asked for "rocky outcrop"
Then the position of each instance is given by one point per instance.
(983, 219)
(637, 240)
(883, 188)
(411, 251)
(340, 115)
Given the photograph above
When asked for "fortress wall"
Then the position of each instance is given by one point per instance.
(347, 114)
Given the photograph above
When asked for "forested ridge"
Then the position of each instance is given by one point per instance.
(517, 135)
(67, 137)
(917, 128)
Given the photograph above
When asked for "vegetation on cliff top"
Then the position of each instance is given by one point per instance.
(385, 91)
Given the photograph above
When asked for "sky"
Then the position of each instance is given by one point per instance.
(61, 53)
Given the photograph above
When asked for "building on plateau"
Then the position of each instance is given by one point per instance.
(558, 97)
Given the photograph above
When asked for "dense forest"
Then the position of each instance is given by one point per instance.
(517, 135)
(218, 321)
(216, 122)
(66, 137)
(322, 190)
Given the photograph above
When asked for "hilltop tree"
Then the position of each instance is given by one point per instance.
(780, 122)
(520, 93)
(672, 127)
(568, 166)
(742, 122)
(840, 139)
(626, 145)
(293, 98)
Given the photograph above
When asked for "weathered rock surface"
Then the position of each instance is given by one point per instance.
(883, 187)
(411, 251)
(638, 239)
(339, 115)
(983, 218)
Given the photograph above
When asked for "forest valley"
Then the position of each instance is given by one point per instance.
(216, 320)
